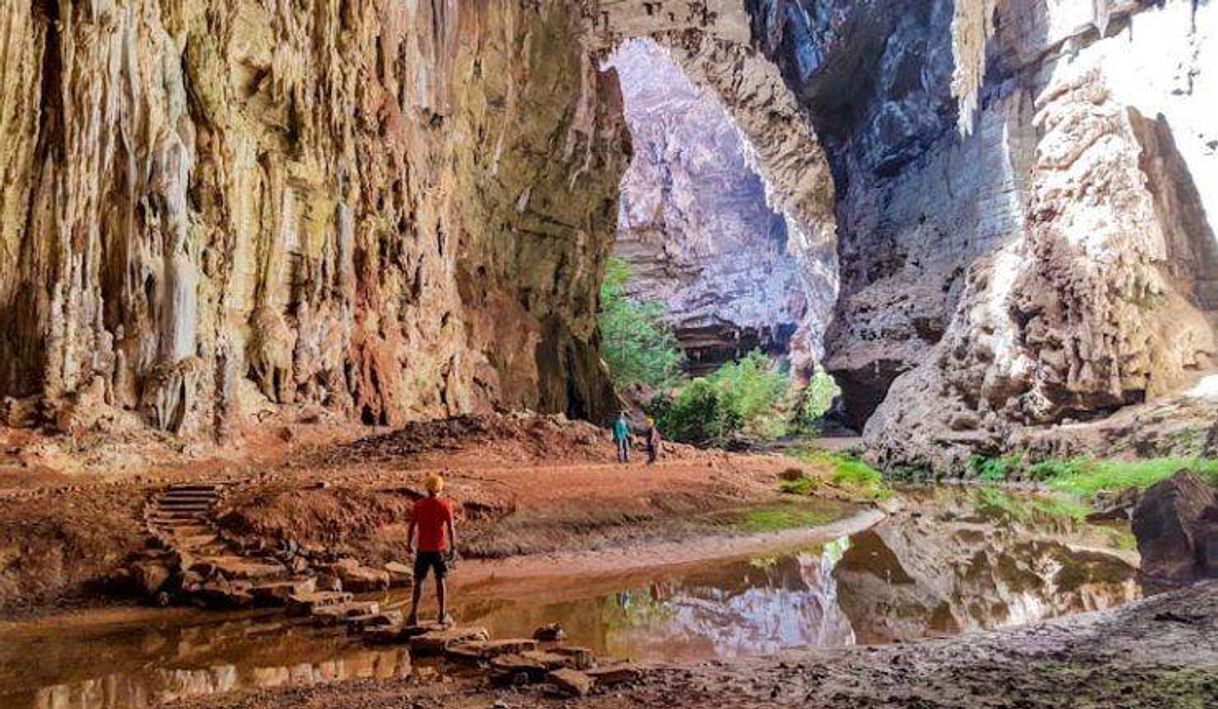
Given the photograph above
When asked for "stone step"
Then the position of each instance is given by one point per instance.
(195, 487)
(183, 505)
(343, 612)
(478, 650)
(571, 682)
(278, 593)
(306, 603)
(611, 675)
(189, 495)
(435, 642)
(239, 567)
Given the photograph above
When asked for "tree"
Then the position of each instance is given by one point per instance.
(639, 347)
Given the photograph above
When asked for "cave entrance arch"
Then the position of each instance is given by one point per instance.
(710, 43)
(695, 227)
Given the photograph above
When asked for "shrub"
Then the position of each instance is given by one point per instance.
(639, 347)
(739, 398)
(814, 401)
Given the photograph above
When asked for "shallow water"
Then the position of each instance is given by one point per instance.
(966, 562)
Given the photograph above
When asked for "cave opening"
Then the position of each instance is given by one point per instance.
(697, 231)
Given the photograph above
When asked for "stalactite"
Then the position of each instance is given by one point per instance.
(972, 26)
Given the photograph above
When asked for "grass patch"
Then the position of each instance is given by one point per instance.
(803, 485)
(844, 471)
(1085, 477)
(1027, 508)
(788, 515)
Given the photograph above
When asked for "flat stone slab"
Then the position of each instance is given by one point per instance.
(436, 642)
(384, 619)
(581, 658)
(614, 674)
(278, 592)
(478, 650)
(238, 567)
(571, 682)
(306, 603)
(344, 612)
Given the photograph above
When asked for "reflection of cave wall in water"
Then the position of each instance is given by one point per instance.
(694, 225)
(896, 585)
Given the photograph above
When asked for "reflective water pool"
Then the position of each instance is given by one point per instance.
(965, 561)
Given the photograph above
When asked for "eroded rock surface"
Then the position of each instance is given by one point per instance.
(393, 210)
(694, 226)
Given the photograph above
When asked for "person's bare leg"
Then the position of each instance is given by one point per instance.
(442, 597)
(417, 593)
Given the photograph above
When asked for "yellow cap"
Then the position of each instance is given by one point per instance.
(651, 421)
(434, 483)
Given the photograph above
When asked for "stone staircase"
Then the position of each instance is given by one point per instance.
(189, 560)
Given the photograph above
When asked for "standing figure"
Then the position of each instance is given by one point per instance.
(653, 441)
(432, 520)
(621, 436)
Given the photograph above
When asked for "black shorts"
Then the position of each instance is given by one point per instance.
(433, 560)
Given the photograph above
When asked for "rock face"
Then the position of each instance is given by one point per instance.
(1022, 208)
(393, 210)
(694, 225)
(1176, 523)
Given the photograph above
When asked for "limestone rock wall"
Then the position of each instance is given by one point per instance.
(1024, 224)
(213, 208)
(694, 225)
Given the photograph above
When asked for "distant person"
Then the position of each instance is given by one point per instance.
(621, 436)
(653, 441)
(432, 520)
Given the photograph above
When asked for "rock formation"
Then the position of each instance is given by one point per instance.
(694, 226)
(1176, 523)
(1022, 208)
(392, 210)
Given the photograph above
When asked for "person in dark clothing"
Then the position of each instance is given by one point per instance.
(653, 441)
(621, 436)
(432, 520)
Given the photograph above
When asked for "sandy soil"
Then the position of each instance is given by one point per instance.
(1161, 653)
(524, 484)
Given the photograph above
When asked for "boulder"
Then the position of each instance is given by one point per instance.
(552, 632)
(1118, 506)
(400, 575)
(1175, 523)
(358, 578)
(150, 576)
(277, 593)
(571, 682)
(580, 658)
(307, 603)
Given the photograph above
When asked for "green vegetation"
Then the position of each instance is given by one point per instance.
(844, 471)
(788, 515)
(1084, 477)
(814, 401)
(1027, 508)
(740, 398)
(640, 349)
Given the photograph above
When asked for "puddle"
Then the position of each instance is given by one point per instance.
(966, 563)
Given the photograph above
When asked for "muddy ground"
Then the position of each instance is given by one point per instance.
(1161, 653)
(71, 510)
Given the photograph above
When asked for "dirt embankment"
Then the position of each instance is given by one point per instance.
(1157, 654)
(523, 484)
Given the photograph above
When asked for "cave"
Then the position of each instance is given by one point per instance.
(695, 227)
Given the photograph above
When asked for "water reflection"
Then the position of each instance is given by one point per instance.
(960, 564)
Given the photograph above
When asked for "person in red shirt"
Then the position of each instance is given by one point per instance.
(432, 539)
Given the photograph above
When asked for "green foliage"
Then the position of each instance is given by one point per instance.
(739, 398)
(640, 349)
(1085, 477)
(848, 472)
(789, 515)
(993, 470)
(1027, 508)
(815, 400)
